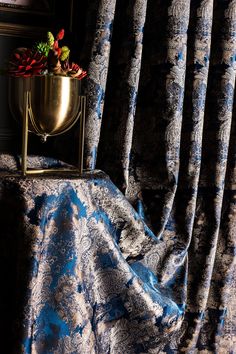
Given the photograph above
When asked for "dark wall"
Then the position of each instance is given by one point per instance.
(9, 129)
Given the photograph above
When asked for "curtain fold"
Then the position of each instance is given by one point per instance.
(98, 68)
(132, 80)
(161, 123)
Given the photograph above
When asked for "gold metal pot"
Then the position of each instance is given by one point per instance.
(54, 102)
(48, 106)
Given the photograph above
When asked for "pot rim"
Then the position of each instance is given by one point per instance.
(57, 77)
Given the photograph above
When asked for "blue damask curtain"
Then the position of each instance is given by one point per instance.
(161, 123)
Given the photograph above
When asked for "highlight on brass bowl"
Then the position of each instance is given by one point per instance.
(54, 102)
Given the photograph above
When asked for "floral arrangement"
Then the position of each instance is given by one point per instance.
(44, 58)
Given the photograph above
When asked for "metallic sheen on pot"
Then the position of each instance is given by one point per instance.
(54, 102)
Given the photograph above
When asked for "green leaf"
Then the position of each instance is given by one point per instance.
(50, 39)
(65, 52)
(43, 48)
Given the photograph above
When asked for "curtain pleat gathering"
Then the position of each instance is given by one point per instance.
(161, 123)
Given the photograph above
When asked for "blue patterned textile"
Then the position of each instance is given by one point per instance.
(79, 287)
(83, 273)
(161, 123)
(91, 274)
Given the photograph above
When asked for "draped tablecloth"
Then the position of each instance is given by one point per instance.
(74, 286)
(79, 269)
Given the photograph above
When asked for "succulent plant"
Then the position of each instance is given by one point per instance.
(54, 64)
(45, 58)
(60, 34)
(50, 39)
(65, 52)
(43, 48)
(26, 62)
(76, 71)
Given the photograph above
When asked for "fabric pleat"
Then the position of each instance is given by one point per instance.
(166, 137)
(98, 69)
(142, 261)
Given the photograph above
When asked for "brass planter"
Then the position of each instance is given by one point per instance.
(48, 106)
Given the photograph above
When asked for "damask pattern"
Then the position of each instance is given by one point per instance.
(78, 287)
(84, 271)
(98, 69)
(166, 138)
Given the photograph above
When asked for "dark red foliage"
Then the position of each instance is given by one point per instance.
(76, 71)
(26, 63)
(60, 34)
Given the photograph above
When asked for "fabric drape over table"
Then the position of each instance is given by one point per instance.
(68, 287)
(161, 123)
(81, 270)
